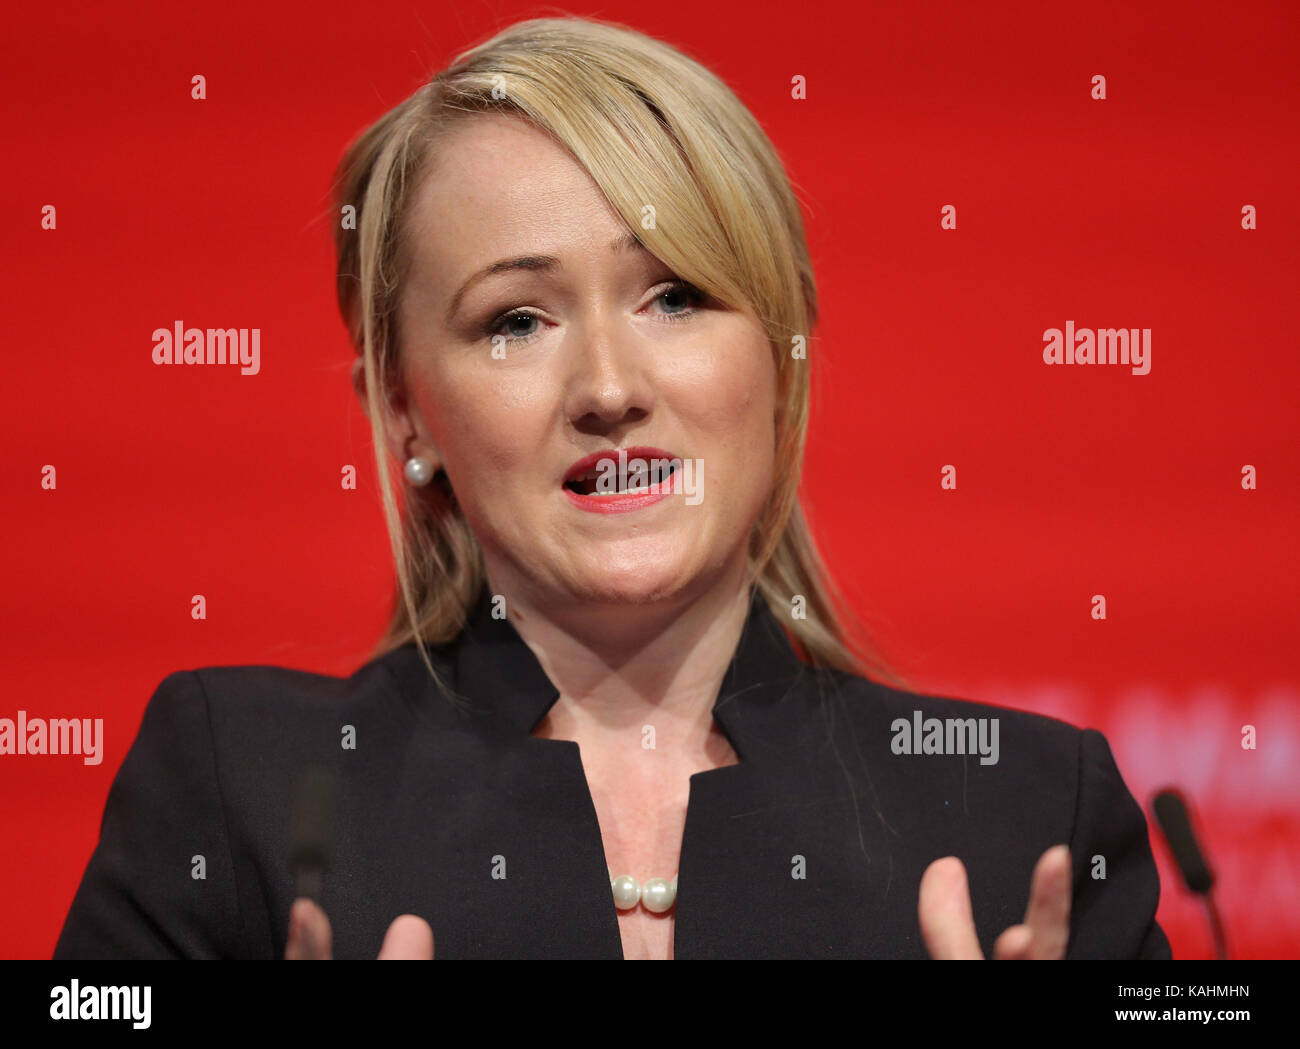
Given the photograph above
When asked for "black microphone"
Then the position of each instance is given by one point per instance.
(310, 834)
(1176, 825)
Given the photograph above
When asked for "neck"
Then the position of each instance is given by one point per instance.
(619, 667)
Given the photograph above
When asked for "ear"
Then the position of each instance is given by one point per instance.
(359, 384)
(404, 430)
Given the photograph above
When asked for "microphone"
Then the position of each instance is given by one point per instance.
(1176, 825)
(313, 813)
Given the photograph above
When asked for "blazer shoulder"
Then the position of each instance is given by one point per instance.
(880, 701)
(1063, 782)
(261, 690)
(255, 684)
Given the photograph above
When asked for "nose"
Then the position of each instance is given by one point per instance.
(607, 380)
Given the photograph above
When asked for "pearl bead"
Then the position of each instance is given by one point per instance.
(627, 893)
(657, 895)
(419, 471)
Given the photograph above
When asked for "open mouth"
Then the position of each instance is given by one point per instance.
(638, 471)
(620, 482)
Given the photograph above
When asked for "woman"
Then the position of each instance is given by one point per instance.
(579, 288)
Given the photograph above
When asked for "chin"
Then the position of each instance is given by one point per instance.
(632, 583)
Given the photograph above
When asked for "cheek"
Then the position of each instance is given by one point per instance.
(735, 398)
(485, 428)
(727, 403)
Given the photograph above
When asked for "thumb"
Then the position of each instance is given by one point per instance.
(408, 938)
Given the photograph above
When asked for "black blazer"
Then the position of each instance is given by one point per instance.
(429, 796)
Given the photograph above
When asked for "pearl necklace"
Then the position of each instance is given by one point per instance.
(657, 895)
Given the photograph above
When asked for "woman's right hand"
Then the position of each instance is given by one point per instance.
(409, 937)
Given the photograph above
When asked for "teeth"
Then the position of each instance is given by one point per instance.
(595, 473)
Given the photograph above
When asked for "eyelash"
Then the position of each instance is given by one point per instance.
(494, 326)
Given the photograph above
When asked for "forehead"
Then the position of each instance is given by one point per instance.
(495, 186)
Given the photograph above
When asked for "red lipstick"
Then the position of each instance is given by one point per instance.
(637, 489)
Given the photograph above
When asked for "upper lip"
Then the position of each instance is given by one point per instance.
(590, 462)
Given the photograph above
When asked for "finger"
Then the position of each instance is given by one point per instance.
(309, 932)
(310, 937)
(409, 937)
(1048, 914)
(947, 925)
(296, 949)
(1014, 944)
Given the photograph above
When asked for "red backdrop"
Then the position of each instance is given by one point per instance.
(1072, 481)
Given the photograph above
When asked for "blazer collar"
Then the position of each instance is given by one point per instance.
(498, 673)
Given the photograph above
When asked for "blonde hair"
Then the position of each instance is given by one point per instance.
(651, 126)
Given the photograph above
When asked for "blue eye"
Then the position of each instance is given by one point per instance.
(683, 302)
(681, 290)
(509, 322)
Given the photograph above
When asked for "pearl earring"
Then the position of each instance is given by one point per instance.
(419, 471)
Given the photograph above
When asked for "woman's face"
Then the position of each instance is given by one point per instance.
(535, 336)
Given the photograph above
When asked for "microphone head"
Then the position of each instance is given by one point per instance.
(312, 819)
(1171, 814)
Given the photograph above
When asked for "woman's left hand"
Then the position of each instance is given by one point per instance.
(949, 928)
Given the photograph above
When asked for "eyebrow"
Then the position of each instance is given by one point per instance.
(626, 242)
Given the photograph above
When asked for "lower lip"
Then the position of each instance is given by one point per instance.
(622, 504)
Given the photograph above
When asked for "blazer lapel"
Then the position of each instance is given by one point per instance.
(509, 860)
(777, 852)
